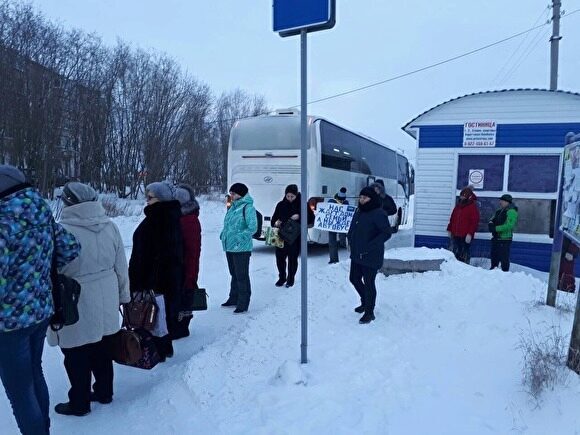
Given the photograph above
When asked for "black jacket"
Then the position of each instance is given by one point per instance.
(157, 258)
(368, 232)
(285, 209)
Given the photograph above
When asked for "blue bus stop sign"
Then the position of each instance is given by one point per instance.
(292, 16)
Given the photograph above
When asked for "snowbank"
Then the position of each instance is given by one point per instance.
(441, 357)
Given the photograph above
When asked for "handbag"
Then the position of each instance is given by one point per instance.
(66, 292)
(272, 238)
(199, 300)
(193, 300)
(125, 350)
(141, 311)
(149, 357)
(289, 231)
(126, 347)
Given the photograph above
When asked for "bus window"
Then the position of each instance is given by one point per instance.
(403, 173)
(339, 150)
(267, 133)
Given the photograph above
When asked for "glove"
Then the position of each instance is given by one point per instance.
(491, 227)
(569, 256)
(468, 238)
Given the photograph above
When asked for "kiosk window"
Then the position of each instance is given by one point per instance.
(493, 166)
(533, 173)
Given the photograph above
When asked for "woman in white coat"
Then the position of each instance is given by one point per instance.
(101, 270)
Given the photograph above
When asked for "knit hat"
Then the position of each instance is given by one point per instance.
(381, 182)
(184, 194)
(369, 192)
(341, 193)
(10, 177)
(507, 198)
(75, 193)
(291, 188)
(239, 188)
(162, 190)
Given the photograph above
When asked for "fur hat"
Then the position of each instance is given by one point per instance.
(239, 188)
(341, 194)
(10, 177)
(467, 193)
(75, 193)
(291, 188)
(380, 186)
(162, 190)
(184, 194)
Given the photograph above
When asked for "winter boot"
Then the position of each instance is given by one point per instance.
(290, 282)
(367, 317)
(67, 409)
(280, 282)
(104, 401)
(360, 309)
(229, 303)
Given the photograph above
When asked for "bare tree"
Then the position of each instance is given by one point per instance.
(72, 108)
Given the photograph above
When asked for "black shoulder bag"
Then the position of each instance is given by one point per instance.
(65, 295)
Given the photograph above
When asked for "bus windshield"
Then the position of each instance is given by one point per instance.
(267, 133)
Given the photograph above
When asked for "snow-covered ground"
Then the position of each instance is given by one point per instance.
(442, 356)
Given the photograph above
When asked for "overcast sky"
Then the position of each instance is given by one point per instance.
(230, 43)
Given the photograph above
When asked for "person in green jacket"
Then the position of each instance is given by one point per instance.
(501, 226)
(240, 223)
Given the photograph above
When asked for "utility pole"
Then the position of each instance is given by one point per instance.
(555, 44)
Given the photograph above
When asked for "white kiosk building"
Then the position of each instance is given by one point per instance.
(507, 141)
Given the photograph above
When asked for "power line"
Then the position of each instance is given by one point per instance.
(415, 71)
(434, 65)
(543, 33)
(505, 68)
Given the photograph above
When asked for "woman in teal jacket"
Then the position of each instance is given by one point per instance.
(240, 224)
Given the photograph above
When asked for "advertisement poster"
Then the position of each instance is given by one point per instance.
(571, 192)
(479, 134)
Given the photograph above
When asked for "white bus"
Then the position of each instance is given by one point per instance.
(264, 154)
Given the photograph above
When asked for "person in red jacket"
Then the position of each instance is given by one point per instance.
(463, 224)
(191, 231)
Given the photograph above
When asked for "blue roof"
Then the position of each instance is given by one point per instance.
(404, 128)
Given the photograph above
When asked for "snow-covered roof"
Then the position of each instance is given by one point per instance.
(409, 126)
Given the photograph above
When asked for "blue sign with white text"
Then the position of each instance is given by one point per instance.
(291, 16)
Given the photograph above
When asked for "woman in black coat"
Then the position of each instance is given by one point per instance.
(369, 230)
(289, 208)
(157, 257)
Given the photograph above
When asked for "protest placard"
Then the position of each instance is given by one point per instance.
(333, 217)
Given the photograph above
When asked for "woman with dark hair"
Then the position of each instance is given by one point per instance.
(157, 257)
(369, 230)
(289, 209)
(191, 232)
(101, 270)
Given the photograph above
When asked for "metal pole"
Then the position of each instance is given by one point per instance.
(556, 248)
(303, 205)
(555, 44)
